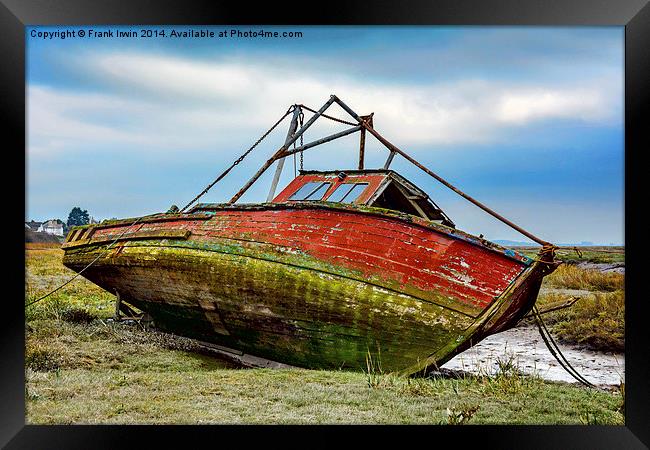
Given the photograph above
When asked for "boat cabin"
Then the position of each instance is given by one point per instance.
(379, 188)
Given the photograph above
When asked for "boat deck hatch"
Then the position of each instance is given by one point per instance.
(380, 188)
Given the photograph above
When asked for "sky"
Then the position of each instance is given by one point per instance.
(528, 120)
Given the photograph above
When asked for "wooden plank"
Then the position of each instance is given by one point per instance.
(153, 234)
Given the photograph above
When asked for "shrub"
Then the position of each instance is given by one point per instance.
(77, 315)
(41, 358)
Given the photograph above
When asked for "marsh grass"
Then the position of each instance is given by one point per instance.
(117, 373)
(596, 321)
(45, 272)
(572, 277)
(82, 368)
(41, 358)
(374, 373)
(509, 380)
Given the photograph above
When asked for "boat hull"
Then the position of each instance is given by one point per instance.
(316, 287)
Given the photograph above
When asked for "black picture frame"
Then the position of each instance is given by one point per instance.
(634, 15)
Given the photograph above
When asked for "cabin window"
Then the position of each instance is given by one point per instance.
(347, 192)
(314, 190)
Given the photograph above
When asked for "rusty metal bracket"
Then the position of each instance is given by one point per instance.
(362, 139)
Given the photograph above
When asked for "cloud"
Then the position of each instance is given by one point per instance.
(528, 105)
(53, 115)
(163, 102)
(124, 131)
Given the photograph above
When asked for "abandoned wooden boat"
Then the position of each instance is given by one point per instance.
(337, 266)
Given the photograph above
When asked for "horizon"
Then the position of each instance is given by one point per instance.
(529, 120)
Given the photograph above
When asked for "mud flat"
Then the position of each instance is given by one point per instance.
(529, 353)
(617, 267)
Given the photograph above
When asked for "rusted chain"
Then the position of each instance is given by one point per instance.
(548, 248)
(335, 119)
(240, 159)
(577, 250)
(281, 153)
(556, 262)
(546, 255)
(301, 119)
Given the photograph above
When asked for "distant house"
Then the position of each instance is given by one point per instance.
(53, 226)
(33, 225)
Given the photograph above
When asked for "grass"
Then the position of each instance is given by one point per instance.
(573, 277)
(105, 381)
(83, 368)
(597, 319)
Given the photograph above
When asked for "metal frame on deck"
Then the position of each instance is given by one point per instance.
(365, 124)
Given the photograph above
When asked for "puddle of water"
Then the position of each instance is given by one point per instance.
(532, 356)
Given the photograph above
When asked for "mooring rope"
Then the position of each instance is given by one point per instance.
(82, 270)
(555, 350)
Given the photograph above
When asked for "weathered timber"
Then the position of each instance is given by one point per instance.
(394, 149)
(310, 281)
(118, 305)
(493, 213)
(304, 287)
(147, 234)
(362, 140)
(389, 160)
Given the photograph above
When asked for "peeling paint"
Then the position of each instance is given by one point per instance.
(301, 285)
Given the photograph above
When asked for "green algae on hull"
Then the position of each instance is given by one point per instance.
(278, 311)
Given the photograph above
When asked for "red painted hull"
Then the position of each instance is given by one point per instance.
(430, 265)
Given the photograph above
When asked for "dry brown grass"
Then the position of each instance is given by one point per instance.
(41, 245)
(572, 277)
(596, 320)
